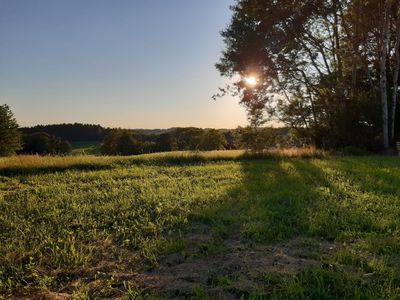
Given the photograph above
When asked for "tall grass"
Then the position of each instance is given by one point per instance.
(188, 157)
(22, 163)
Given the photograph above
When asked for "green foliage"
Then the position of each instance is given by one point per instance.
(124, 142)
(316, 70)
(121, 142)
(257, 139)
(72, 132)
(188, 138)
(110, 143)
(44, 143)
(212, 139)
(130, 142)
(10, 137)
(127, 144)
(166, 142)
(324, 284)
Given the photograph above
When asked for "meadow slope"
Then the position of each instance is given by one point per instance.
(217, 225)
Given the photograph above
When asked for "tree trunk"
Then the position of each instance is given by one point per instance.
(355, 41)
(395, 79)
(383, 74)
(337, 39)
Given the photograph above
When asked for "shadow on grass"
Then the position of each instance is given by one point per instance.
(315, 198)
(280, 200)
(273, 201)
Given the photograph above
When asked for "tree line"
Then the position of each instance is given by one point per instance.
(71, 132)
(78, 132)
(40, 140)
(127, 142)
(327, 68)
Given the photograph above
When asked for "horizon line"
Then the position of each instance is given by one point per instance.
(143, 128)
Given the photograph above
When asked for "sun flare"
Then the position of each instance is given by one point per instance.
(251, 81)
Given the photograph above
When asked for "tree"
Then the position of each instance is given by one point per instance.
(121, 142)
(231, 143)
(188, 138)
(44, 143)
(322, 66)
(38, 143)
(148, 147)
(64, 147)
(71, 132)
(212, 139)
(128, 145)
(384, 42)
(110, 142)
(396, 69)
(10, 137)
(257, 139)
(166, 142)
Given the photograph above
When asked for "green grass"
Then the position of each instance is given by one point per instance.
(252, 227)
(87, 147)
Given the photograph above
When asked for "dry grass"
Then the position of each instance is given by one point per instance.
(309, 152)
(24, 163)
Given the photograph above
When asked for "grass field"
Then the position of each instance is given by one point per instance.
(222, 225)
(85, 148)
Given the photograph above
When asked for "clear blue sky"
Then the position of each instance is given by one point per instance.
(120, 63)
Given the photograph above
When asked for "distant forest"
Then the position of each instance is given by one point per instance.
(71, 132)
(78, 132)
(54, 139)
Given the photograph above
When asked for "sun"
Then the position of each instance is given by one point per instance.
(251, 81)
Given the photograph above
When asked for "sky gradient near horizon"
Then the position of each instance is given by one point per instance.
(125, 63)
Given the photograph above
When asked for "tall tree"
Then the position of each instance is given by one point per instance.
(10, 137)
(321, 65)
(384, 42)
(396, 67)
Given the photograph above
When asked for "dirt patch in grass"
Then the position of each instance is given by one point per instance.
(239, 267)
(234, 269)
